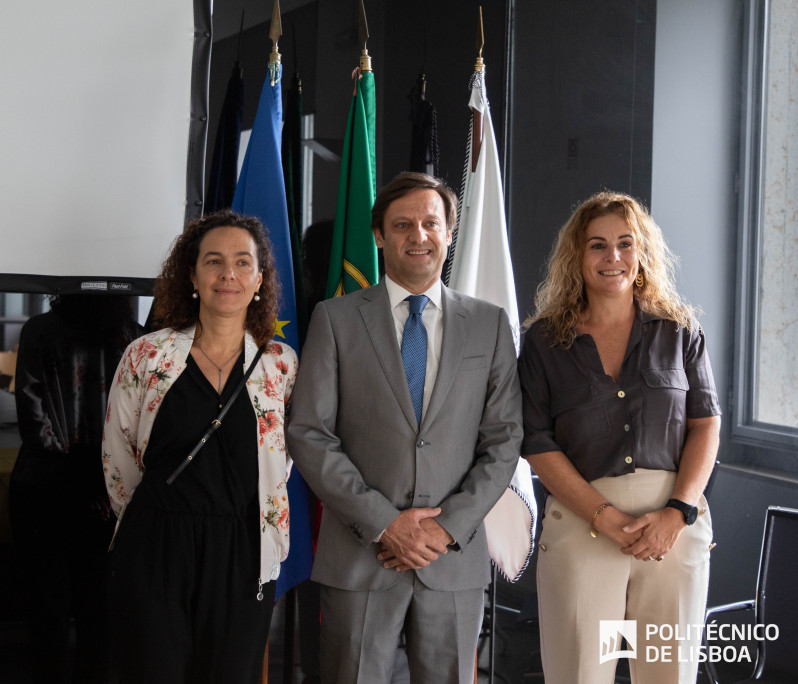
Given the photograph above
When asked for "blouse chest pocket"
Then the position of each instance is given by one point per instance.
(664, 395)
(578, 417)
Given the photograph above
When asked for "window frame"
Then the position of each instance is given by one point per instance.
(745, 427)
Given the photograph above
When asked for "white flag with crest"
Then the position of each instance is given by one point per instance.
(481, 267)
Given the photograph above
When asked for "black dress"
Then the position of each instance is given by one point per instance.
(186, 559)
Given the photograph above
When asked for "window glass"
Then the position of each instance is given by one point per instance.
(776, 398)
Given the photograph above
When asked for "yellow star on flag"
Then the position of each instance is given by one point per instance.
(278, 327)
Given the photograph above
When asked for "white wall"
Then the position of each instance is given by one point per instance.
(696, 119)
(94, 132)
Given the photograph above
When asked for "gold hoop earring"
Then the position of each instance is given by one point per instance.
(639, 280)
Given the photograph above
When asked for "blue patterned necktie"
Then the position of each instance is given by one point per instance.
(414, 352)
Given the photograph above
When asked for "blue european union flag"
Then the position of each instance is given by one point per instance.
(261, 192)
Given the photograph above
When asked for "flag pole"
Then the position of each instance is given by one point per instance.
(275, 74)
(275, 31)
(479, 67)
(240, 35)
(363, 37)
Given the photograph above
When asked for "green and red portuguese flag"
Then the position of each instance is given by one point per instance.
(353, 257)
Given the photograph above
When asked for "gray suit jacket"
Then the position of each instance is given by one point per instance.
(353, 434)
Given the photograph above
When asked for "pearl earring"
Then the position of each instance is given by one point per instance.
(195, 294)
(256, 297)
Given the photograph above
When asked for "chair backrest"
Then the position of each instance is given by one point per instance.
(777, 592)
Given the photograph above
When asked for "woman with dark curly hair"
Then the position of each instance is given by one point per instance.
(621, 424)
(204, 531)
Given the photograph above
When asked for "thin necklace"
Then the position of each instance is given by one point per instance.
(219, 368)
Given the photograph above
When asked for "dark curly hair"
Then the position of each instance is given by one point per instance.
(174, 306)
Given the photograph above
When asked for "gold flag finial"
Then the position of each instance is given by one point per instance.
(363, 36)
(480, 65)
(275, 31)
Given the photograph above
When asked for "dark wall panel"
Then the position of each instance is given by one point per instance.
(738, 501)
(440, 38)
(581, 120)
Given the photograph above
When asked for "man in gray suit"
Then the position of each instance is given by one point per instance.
(406, 422)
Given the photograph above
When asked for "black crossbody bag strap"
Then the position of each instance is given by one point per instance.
(216, 422)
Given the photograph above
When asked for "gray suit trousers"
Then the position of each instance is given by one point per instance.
(361, 629)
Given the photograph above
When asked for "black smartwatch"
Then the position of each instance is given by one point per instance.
(689, 512)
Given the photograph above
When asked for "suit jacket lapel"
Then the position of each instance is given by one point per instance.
(375, 310)
(455, 329)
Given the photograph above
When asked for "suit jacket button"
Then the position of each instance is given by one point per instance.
(411, 496)
(420, 443)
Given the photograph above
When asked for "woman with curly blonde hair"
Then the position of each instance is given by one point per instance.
(621, 425)
(561, 298)
(204, 530)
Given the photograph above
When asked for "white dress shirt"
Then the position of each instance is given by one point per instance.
(432, 317)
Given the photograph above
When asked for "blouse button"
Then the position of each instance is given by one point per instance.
(628, 459)
(621, 394)
(627, 427)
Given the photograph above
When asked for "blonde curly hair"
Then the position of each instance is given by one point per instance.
(561, 298)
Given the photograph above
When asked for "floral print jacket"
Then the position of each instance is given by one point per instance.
(146, 372)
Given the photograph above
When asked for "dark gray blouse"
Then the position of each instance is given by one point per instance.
(607, 428)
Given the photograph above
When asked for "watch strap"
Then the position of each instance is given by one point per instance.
(689, 512)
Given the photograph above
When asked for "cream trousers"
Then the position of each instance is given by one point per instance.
(583, 580)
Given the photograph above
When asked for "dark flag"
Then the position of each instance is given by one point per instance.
(292, 172)
(224, 164)
(424, 152)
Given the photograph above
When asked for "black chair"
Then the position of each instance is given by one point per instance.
(776, 603)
